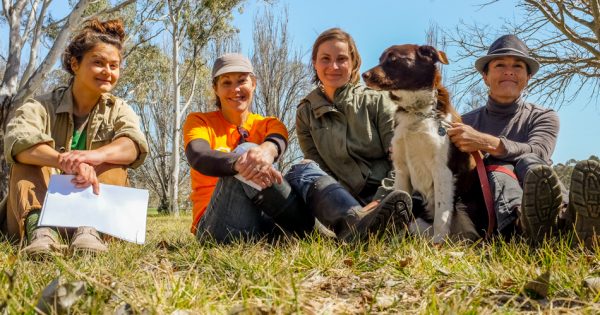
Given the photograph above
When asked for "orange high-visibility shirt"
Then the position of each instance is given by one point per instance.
(222, 136)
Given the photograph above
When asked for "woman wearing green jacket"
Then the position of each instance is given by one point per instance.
(344, 130)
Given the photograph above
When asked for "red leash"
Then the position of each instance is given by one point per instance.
(487, 192)
(501, 169)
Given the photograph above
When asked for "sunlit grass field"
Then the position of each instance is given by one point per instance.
(174, 274)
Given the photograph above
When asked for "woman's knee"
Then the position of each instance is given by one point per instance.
(526, 162)
(112, 175)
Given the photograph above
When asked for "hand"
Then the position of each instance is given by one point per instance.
(467, 139)
(256, 165)
(268, 178)
(85, 175)
(69, 161)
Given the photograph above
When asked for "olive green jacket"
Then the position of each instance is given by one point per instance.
(349, 139)
(49, 119)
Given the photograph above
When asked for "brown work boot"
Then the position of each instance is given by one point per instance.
(542, 200)
(44, 242)
(584, 201)
(87, 239)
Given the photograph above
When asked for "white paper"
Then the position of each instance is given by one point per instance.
(117, 211)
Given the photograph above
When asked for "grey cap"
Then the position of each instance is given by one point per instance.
(231, 63)
(508, 45)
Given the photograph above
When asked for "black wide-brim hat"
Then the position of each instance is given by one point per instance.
(508, 45)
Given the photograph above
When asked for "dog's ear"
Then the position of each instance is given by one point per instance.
(430, 52)
(442, 57)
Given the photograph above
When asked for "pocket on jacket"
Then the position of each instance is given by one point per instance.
(105, 133)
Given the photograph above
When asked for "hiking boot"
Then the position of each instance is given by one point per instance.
(584, 201)
(87, 239)
(340, 212)
(541, 203)
(44, 242)
(393, 210)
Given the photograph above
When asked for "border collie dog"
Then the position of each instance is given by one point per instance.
(424, 158)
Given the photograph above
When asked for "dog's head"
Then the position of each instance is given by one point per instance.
(406, 67)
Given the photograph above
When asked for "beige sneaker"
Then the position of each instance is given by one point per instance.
(87, 239)
(44, 242)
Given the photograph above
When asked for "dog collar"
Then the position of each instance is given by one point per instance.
(434, 114)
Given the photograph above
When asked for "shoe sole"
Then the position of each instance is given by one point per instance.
(87, 251)
(394, 210)
(43, 253)
(541, 202)
(584, 197)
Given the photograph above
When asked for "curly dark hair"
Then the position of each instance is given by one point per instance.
(110, 32)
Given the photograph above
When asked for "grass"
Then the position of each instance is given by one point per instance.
(172, 272)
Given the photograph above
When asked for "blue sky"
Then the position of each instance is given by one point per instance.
(377, 24)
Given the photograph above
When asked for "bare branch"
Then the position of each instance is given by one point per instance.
(30, 20)
(559, 36)
(35, 43)
(116, 8)
(38, 76)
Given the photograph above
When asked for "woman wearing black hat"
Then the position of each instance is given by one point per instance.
(521, 137)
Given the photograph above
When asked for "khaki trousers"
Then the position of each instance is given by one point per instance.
(27, 189)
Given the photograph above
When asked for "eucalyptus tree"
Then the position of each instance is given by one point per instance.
(191, 26)
(282, 78)
(30, 30)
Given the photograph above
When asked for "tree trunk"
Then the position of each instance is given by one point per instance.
(174, 186)
(14, 92)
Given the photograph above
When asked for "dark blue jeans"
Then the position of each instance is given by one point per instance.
(231, 214)
(302, 175)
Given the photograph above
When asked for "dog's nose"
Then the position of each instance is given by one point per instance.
(366, 75)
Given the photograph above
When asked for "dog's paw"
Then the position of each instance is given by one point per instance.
(420, 227)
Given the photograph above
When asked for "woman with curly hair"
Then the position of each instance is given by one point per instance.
(81, 130)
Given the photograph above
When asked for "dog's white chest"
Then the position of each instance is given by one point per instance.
(423, 152)
(420, 156)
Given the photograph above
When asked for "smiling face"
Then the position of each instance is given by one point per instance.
(235, 91)
(99, 69)
(333, 64)
(506, 77)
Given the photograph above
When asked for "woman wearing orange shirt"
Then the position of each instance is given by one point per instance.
(234, 141)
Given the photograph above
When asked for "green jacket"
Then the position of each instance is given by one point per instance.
(349, 139)
(48, 119)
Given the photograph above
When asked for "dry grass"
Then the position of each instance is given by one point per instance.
(172, 272)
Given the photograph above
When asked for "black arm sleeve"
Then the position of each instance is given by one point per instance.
(210, 162)
(279, 141)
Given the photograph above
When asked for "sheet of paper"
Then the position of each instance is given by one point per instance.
(117, 211)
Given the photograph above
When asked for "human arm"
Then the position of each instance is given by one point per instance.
(542, 135)
(467, 139)
(257, 161)
(122, 151)
(305, 139)
(27, 142)
(539, 131)
(44, 155)
(385, 121)
(256, 164)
